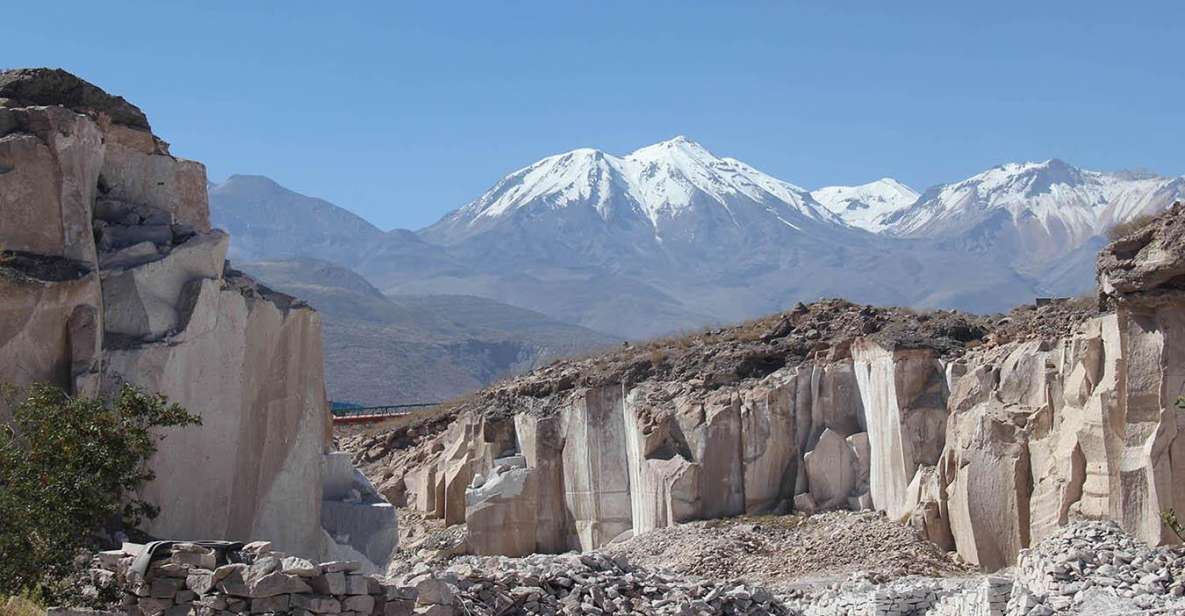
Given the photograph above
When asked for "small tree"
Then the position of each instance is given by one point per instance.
(1170, 517)
(69, 467)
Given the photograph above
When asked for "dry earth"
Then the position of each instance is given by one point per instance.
(784, 553)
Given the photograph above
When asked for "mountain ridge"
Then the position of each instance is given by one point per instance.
(382, 349)
(867, 205)
(672, 237)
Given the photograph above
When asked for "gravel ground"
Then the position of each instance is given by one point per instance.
(786, 553)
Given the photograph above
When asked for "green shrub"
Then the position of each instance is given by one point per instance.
(69, 468)
(1170, 517)
(1170, 520)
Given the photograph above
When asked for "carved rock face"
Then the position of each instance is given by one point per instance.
(150, 303)
(987, 455)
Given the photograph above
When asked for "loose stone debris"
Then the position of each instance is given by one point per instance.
(1088, 568)
(786, 553)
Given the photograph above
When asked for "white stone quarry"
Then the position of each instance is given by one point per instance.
(116, 277)
(612, 463)
(985, 454)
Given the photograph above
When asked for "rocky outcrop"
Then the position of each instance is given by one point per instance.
(1082, 427)
(1148, 262)
(611, 461)
(113, 275)
(1057, 413)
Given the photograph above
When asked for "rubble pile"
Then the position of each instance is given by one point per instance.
(1087, 568)
(190, 578)
(587, 584)
(1091, 562)
(862, 596)
(780, 552)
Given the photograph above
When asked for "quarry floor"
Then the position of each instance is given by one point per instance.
(785, 553)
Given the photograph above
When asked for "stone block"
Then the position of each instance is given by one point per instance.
(147, 300)
(293, 565)
(333, 583)
(317, 605)
(501, 514)
(363, 604)
(276, 603)
(829, 469)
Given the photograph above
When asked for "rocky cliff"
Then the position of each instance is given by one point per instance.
(112, 274)
(986, 434)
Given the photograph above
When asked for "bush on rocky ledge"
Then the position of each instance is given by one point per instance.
(69, 467)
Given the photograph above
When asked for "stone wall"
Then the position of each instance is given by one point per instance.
(188, 578)
(257, 580)
(115, 276)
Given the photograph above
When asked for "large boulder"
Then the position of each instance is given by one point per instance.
(830, 471)
(987, 465)
(501, 513)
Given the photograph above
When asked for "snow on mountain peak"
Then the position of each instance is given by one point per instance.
(661, 181)
(868, 205)
(1065, 201)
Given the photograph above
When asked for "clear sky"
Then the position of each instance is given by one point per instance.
(401, 113)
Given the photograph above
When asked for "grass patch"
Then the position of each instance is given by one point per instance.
(20, 606)
(1129, 227)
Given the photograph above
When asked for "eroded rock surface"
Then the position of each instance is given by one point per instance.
(985, 434)
(754, 420)
(111, 274)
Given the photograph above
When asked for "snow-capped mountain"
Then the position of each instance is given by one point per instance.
(1033, 212)
(867, 205)
(673, 237)
(675, 190)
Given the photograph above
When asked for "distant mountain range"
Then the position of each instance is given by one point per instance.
(672, 237)
(394, 350)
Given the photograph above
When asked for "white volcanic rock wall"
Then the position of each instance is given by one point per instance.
(614, 462)
(116, 276)
(986, 454)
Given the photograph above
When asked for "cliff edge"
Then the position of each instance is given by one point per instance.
(114, 275)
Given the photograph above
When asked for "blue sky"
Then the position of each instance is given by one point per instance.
(401, 113)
